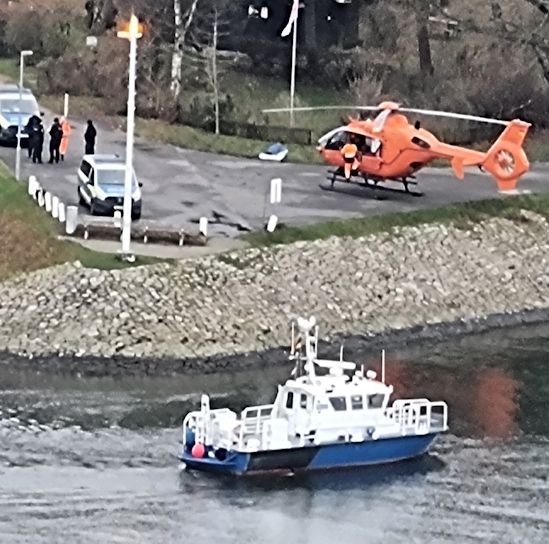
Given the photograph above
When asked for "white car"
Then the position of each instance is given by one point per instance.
(14, 111)
(101, 185)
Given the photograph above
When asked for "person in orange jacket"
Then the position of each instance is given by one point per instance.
(65, 126)
(350, 156)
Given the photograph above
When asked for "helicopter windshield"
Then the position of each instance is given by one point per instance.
(365, 145)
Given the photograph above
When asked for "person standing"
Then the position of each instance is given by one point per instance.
(38, 135)
(66, 128)
(56, 135)
(89, 138)
(32, 123)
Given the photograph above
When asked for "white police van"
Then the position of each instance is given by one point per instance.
(101, 185)
(15, 109)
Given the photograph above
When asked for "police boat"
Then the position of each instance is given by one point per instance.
(329, 414)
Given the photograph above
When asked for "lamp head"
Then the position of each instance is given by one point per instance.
(27, 53)
(131, 31)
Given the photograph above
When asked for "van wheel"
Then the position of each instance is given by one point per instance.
(136, 216)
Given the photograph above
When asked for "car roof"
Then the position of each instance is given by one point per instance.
(104, 160)
(12, 89)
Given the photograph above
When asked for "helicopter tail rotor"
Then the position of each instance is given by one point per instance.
(506, 160)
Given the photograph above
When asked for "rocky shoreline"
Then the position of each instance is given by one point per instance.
(123, 366)
(414, 282)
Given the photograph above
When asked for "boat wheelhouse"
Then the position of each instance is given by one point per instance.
(328, 414)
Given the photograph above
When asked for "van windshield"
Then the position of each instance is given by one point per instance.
(106, 177)
(27, 106)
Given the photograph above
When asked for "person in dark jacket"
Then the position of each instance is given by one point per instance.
(32, 123)
(89, 138)
(38, 142)
(56, 134)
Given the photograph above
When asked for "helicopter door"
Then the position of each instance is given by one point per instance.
(332, 143)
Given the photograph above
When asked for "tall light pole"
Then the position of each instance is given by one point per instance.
(22, 56)
(133, 33)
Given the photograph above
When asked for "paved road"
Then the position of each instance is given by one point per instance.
(180, 186)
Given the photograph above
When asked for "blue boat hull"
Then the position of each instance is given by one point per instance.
(333, 456)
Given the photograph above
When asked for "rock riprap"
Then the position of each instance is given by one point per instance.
(243, 301)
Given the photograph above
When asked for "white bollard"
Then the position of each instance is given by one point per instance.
(40, 197)
(118, 219)
(32, 186)
(55, 207)
(47, 201)
(271, 225)
(71, 219)
(276, 191)
(203, 226)
(61, 212)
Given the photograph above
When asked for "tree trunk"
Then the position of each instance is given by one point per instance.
(214, 73)
(180, 31)
(310, 24)
(177, 55)
(422, 30)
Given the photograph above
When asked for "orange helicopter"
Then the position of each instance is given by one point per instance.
(389, 148)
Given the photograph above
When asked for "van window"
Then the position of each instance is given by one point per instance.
(86, 168)
(338, 403)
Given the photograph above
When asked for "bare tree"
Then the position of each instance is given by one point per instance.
(181, 27)
(421, 8)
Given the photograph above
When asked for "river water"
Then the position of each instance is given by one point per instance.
(94, 461)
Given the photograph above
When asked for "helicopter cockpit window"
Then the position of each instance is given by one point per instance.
(337, 141)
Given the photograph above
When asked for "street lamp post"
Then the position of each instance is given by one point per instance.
(133, 33)
(23, 54)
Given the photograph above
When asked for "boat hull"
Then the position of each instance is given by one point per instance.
(309, 458)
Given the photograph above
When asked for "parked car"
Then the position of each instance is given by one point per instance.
(13, 111)
(101, 185)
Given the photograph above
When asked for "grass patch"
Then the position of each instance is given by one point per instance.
(192, 138)
(29, 236)
(462, 214)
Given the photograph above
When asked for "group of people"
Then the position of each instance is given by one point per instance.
(59, 139)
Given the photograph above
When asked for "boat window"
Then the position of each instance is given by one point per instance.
(303, 400)
(338, 403)
(356, 402)
(290, 400)
(375, 401)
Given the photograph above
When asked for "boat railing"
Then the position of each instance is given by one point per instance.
(252, 420)
(419, 416)
(208, 427)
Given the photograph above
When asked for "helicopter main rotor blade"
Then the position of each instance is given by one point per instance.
(436, 113)
(316, 108)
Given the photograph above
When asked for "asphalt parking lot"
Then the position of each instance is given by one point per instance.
(180, 186)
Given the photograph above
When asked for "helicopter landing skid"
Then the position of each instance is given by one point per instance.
(336, 175)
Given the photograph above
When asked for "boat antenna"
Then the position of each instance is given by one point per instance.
(383, 365)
